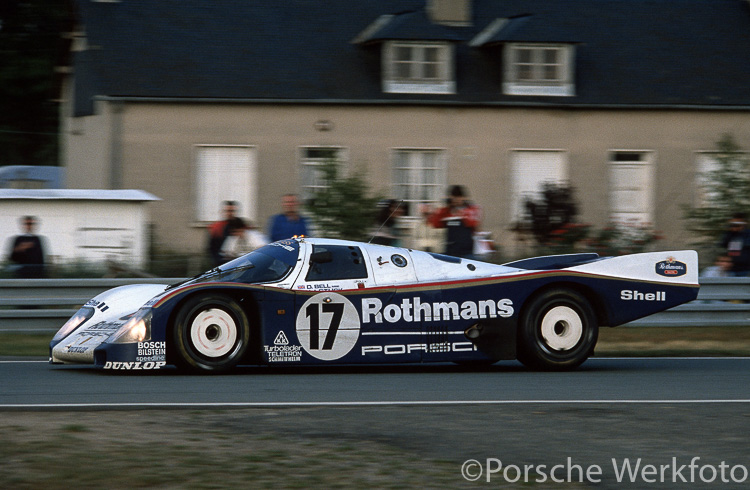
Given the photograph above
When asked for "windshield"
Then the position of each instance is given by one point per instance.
(267, 264)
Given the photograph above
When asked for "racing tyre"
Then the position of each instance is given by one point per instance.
(211, 334)
(558, 331)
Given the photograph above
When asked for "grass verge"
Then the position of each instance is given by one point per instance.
(25, 344)
(673, 341)
(208, 450)
(613, 342)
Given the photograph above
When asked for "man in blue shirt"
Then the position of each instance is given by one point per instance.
(289, 223)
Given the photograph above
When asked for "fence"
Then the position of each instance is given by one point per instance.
(43, 305)
(722, 302)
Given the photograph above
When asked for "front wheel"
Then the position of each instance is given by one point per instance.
(558, 331)
(211, 334)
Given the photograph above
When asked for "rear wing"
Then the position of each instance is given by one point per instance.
(676, 267)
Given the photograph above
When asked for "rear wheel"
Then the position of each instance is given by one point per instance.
(211, 334)
(558, 331)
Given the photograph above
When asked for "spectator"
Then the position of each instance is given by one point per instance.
(426, 237)
(386, 232)
(219, 231)
(484, 245)
(243, 238)
(27, 251)
(722, 267)
(461, 219)
(289, 222)
(736, 243)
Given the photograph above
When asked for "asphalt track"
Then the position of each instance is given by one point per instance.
(36, 384)
(685, 418)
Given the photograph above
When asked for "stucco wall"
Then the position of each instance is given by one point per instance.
(158, 141)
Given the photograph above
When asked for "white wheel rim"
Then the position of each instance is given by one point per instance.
(213, 332)
(562, 328)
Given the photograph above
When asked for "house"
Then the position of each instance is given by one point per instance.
(198, 102)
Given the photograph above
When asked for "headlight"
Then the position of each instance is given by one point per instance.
(137, 329)
(74, 322)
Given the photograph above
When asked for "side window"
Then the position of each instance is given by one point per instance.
(329, 262)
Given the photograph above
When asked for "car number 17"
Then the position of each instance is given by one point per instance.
(328, 326)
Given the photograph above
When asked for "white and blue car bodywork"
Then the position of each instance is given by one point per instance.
(319, 301)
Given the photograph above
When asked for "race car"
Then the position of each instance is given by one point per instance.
(314, 301)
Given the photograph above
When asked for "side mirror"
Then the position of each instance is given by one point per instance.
(321, 257)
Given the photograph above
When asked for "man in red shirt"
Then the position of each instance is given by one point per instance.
(461, 219)
(219, 231)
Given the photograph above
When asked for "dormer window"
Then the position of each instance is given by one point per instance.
(538, 69)
(418, 67)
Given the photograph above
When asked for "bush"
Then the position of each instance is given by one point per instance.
(552, 221)
(552, 218)
(622, 239)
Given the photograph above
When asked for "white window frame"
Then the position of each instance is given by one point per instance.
(529, 77)
(309, 167)
(415, 80)
(228, 177)
(416, 189)
(631, 201)
(705, 163)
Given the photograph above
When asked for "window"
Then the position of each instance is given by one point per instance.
(224, 173)
(23, 183)
(311, 160)
(631, 182)
(419, 177)
(705, 164)
(329, 262)
(538, 69)
(410, 67)
(531, 169)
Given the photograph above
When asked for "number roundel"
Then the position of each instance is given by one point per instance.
(328, 326)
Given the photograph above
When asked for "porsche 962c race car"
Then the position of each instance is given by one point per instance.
(308, 301)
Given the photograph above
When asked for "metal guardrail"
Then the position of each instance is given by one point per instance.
(722, 302)
(43, 305)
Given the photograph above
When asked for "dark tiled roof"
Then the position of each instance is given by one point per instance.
(528, 28)
(629, 52)
(413, 26)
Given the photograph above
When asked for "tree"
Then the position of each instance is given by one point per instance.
(342, 209)
(32, 46)
(725, 189)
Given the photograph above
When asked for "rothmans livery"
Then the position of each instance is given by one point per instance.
(319, 301)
